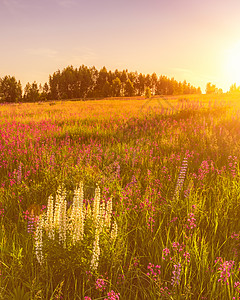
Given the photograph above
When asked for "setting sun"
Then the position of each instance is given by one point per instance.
(232, 64)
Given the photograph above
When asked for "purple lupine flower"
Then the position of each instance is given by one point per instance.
(176, 275)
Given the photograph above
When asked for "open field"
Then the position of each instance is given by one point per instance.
(166, 224)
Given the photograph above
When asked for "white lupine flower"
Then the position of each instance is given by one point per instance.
(96, 207)
(77, 200)
(39, 239)
(96, 252)
(77, 216)
(60, 196)
(57, 211)
(63, 221)
(71, 223)
(102, 213)
(78, 227)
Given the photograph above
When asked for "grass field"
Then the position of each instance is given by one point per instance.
(120, 199)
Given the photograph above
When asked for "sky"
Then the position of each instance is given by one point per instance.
(196, 41)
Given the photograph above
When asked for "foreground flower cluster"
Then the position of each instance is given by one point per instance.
(66, 226)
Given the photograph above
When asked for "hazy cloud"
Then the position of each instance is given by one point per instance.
(46, 52)
(66, 3)
(77, 57)
(12, 5)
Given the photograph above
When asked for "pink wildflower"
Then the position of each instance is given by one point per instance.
(100, 284)
(225, 269)
(166, 251)
(112, 296)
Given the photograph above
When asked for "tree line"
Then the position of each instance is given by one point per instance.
(212, 89)
(85, 82)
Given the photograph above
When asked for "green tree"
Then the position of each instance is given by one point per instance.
(129, 88)
(116, 87)
(44, 92)
(148, 82)
(54, 85)
(179, 89)
(10, 89)
(102, 78)
(67, 82)
(86, 81)
(210, 88)
(107, 91)
(199, 90)
(148, 93)
(31, 92)
(234, 88)
(154, 80)
(123, 78)
(140, 84)
(89, 82)
(162, 85)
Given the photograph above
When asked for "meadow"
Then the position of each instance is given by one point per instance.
(120, 199)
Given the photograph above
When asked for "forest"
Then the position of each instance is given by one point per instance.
(88, 82)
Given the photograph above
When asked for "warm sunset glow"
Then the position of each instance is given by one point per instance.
(232, 64)
(166, 37)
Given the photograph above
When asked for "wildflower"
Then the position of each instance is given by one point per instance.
(77, 215)
(26, 213)
(176, 275)
(191, 224)
(194, 207)
(135, 261)
(166, 251)
(112, 296)
(55, 221)
(191, 219)
(96, 207)
(237, 286)
(120, 278)
(57, 211)
(102, 215)
(19, 174)
(31, 222)
(181, 177)
(164, 292)
(154, 271)
(225, 269)
(96, 252)
(186, 256)
(62, 221)
(39, 240)
(173, 220)
(100, 284)
(118, 171)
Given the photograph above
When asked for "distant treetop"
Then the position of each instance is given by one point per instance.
(85, 82)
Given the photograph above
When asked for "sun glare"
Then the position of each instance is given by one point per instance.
(232, 64)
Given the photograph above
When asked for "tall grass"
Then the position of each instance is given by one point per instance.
(156, 218)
